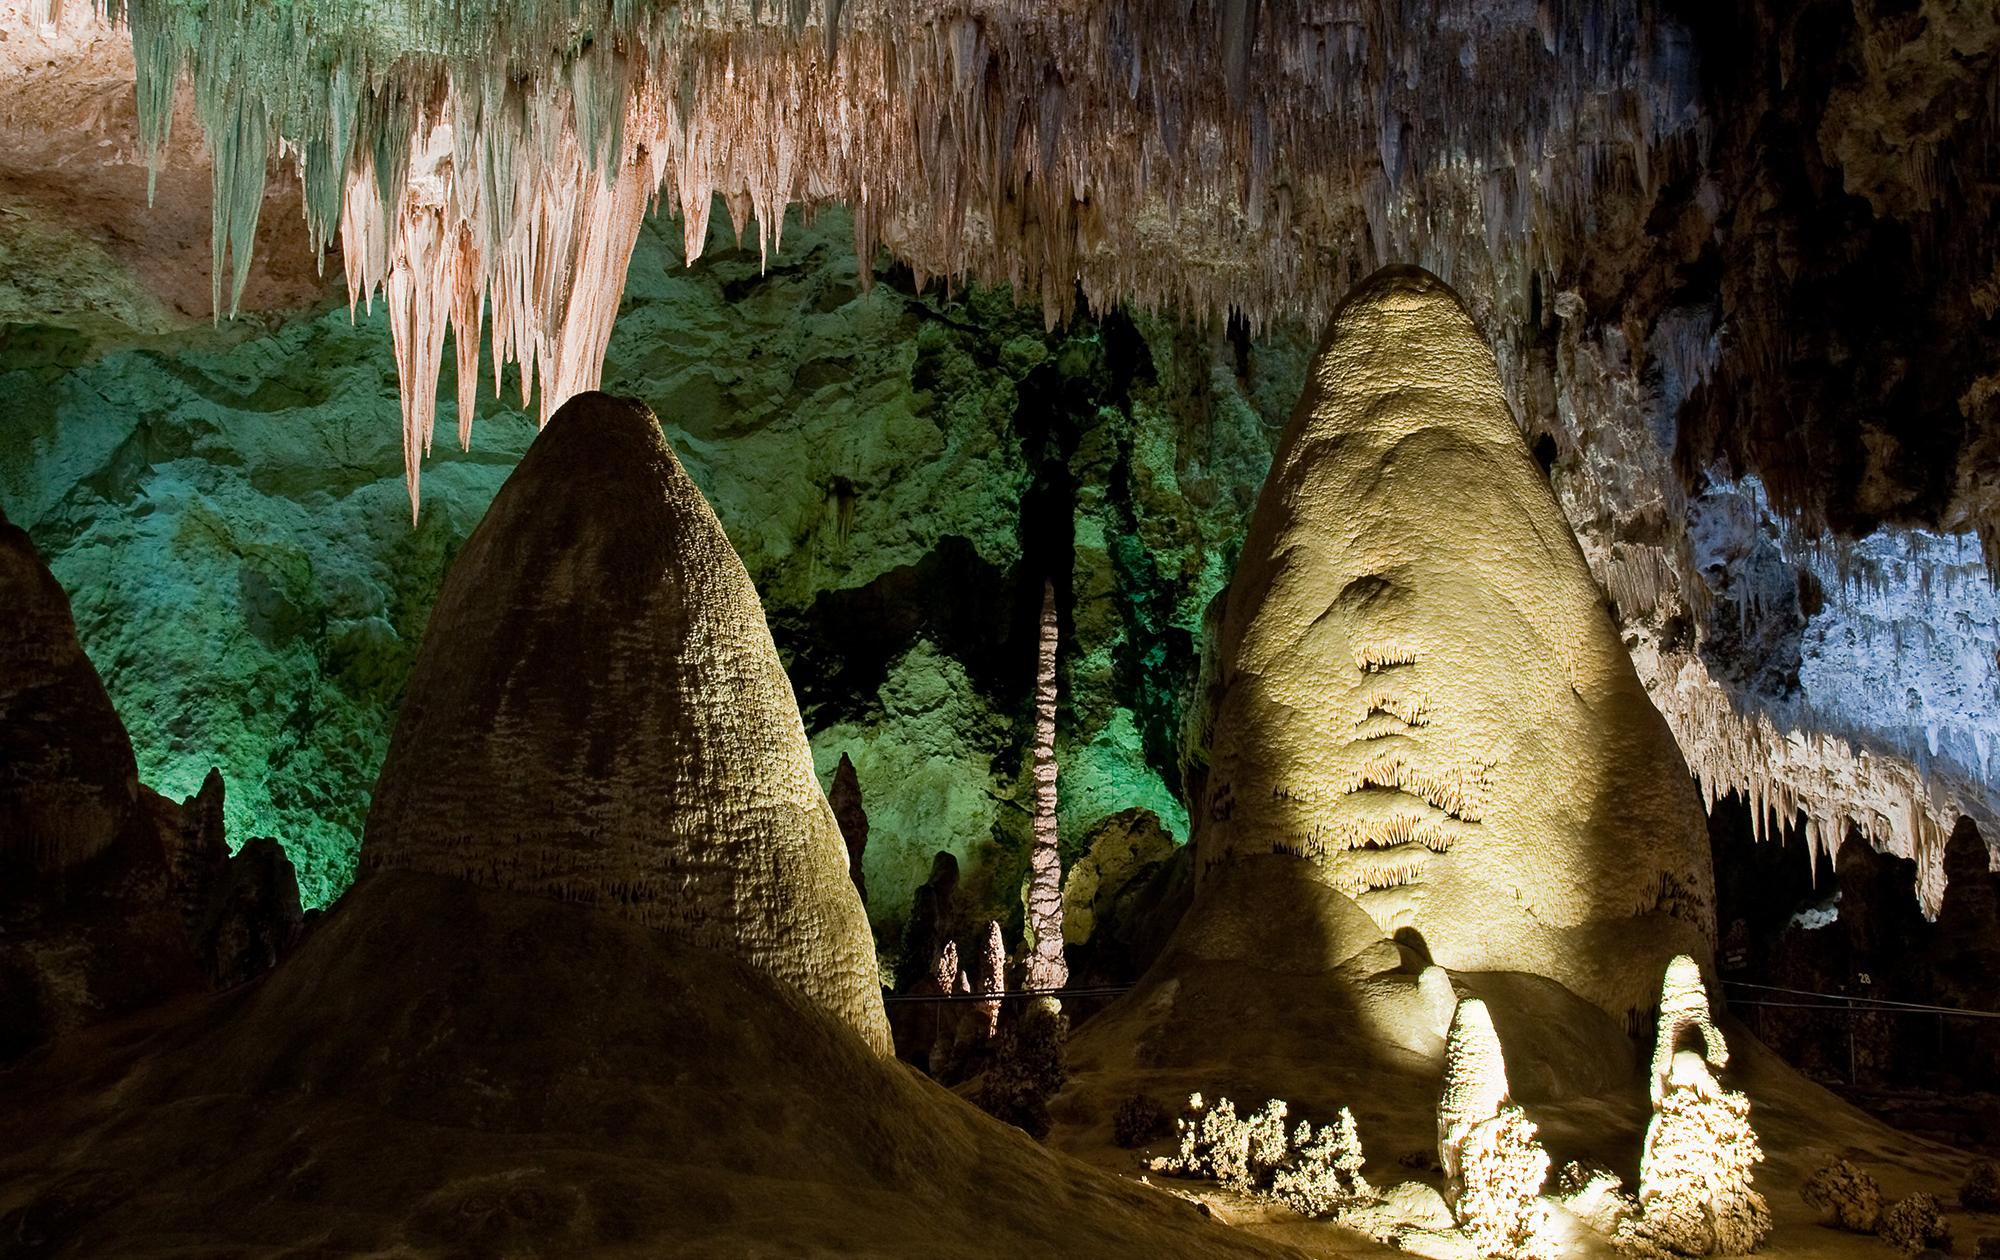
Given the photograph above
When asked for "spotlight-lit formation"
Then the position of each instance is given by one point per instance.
(1417, 687)
(1238, 629)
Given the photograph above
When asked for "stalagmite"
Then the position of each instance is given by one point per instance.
(852, 817)
(112, 898)
(946, 980)
(1493, 1167)
(1043, 895)
(1420, 692)
(1684, 1010)
(1475, 1084)
(69, 786)
(992, 978)
(597, 714)
(1695, 1174)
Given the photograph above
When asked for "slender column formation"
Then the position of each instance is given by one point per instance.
(1047, 968)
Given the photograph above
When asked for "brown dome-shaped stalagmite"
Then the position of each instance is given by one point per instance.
(598, 715)
(1420, 690)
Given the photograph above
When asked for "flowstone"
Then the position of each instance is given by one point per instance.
(1419, 688)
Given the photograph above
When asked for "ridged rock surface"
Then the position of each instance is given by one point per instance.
(1420, 688)
(597, 714)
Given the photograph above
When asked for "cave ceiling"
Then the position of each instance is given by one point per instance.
(1738, 262)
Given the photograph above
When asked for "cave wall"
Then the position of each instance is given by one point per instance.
(899, 472)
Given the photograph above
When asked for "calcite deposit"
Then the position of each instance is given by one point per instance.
(598, 715)
(1418, 687)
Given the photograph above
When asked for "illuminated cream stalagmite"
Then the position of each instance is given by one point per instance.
(598, 714)
(1420, 688)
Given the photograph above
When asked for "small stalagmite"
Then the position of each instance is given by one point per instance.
(1696, 1172)
(598, 715)
(992, 979)
(1493, 1166)
(1420, 689)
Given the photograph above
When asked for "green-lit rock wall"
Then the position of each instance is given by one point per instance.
(900, 472)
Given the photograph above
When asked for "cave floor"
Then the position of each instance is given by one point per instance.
(1800, 1124)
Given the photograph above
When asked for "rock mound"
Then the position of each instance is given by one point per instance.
(598, 714)
(112, 897)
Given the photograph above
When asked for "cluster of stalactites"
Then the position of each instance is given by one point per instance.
(1226, 156)
(1834, 784)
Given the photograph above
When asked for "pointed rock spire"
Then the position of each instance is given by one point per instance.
(598, 714)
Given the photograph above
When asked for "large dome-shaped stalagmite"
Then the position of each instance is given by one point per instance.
(1419, 688)
(598, 714)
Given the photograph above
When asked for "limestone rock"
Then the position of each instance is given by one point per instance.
(852, 818)
(1124, 851)
(1124, 899)
(597, 714)
(1419, 686)
(69, 788)
(1849, 1197)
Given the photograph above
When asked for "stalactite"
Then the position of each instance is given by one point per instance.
(1199, 158)
(1047, 968)
(1784, 773)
